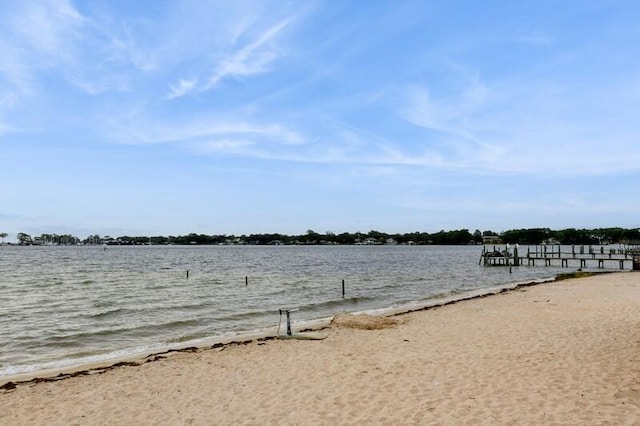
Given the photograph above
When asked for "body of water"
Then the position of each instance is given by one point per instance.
(62, 306)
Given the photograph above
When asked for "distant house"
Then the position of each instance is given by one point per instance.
(491, 239)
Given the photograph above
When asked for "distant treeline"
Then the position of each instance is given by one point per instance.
(572, 236)
(456, 237)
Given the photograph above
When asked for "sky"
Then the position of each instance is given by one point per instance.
(236, 117)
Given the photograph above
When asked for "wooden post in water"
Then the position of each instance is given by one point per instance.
(343, 289)
(187, 274)
(288, 323)
(246, 281)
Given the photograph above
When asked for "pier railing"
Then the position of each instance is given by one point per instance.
(624, 257)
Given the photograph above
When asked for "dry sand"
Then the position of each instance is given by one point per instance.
(565, 353)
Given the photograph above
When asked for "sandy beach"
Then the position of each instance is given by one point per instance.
(566, 353)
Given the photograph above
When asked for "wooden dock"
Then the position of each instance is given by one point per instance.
(622, 257)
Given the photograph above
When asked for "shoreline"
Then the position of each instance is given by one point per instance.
(9, 382)
(86, 320)
(562, 352)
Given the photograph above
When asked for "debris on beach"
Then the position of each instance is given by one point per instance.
(364, 322)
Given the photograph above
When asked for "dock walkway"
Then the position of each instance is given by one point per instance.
(624, 257)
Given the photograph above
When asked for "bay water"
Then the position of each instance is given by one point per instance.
(62, 306)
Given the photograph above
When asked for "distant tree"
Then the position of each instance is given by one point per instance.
(380, 237)
(526, 236)
(93, 239)
(461, 236)
(158, 240)
(630, 236)
(345, 238)
(574, 236)
(24, 239)
(3, 235)
(311, 237)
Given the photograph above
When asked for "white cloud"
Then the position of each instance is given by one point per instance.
(8, 100)
(225, 130)
(449, 115)
(529, 125)
(49, 27)
(251, 59)
(182, 88)
(38, 38)
(4, 129)
(226, 145)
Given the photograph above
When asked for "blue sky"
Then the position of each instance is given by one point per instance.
(221, 117)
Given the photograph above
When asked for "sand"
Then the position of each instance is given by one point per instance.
(566, 353)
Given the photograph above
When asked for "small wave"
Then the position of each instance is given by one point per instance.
(241, 316)
(107, 314)
(103, 303)
(215, 281)
(124, 332)
(330, 305)
(187, 338)
(189, 307)
(59, 342)
(15, 369)
(178, 324)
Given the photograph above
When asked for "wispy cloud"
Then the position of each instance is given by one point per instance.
(206, 132)
(526, 126)
(49, 27)
(536, 39)
(4, 129)
(45, 38)
(254, 57)
(36, 39)
(250, 59)
(182, 88)
(456, 143)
